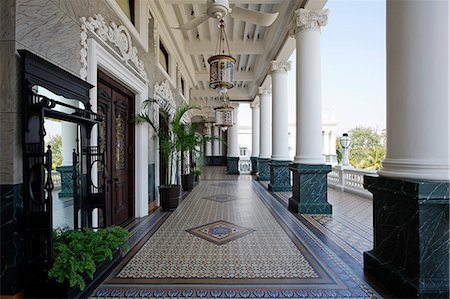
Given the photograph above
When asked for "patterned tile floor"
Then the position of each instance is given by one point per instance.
(269, 251)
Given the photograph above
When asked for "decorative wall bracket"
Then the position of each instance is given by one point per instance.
(115, 36)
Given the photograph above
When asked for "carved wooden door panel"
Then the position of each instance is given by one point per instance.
(120, 159)
(117, 135)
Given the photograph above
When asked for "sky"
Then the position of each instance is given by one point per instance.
(353, 50)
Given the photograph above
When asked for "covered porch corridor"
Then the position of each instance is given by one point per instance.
(231, 238)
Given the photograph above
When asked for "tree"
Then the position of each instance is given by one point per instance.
(367, 149)
(55, 143)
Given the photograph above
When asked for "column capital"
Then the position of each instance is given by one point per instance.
(255, 103)
(265, 91)
(281, 66)
(306, 19)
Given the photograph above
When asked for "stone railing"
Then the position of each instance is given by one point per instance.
(56, 178)
(245, 165)
(350, 180)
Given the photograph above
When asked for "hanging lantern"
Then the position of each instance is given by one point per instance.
(224, 116)
(221, 65)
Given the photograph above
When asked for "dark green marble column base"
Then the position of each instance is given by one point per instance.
(309, 190)
(66, 181)
(233, 165)
(254, 161)
(411, 236)
(280, 176)
(263, 169)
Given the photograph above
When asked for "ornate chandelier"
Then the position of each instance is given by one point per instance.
(221, 65)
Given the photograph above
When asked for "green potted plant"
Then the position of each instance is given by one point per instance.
(172, 142)
(197, 174)
(190, 143)
(81, 253)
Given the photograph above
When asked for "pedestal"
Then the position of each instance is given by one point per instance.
(280, 176)
(411, 236)
(309, 190)
(233, 165)
(263, 169)
(66, 181)
(254, 161)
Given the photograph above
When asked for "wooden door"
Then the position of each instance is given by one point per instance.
(116, 136)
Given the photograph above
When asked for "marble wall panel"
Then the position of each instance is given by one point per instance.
(43, 28)
(7, 20)
(11, 148)
(73, 8)
(9, 77)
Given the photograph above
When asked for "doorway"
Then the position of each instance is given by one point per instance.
(116, 138)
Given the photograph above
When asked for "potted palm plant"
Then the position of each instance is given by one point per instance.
(190, 142)
(172, 142)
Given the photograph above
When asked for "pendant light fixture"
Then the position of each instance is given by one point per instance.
(221, 65)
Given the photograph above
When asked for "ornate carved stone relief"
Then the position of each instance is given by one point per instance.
(280, 66)
(115, 36)
(306, 19)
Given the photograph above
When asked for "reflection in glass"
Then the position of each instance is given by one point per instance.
(62, 138)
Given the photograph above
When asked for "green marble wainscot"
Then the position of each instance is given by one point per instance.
(233, 165)
(11, 239)
(254, 161)
(280, 176)
(66, 181)
(411, 236)
(263, 169)
(309, 190)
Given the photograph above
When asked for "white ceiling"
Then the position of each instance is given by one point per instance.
(253, 46)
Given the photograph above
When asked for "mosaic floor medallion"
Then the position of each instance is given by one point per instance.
(220, 232)
(221, 198)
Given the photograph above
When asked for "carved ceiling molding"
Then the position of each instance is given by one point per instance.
(306, 19)
(117, 37)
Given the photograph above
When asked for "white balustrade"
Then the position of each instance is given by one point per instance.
(56, 178)
(350, 180)
(245, 165)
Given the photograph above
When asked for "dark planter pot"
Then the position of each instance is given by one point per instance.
(169, 194)
(53, 289)
(187, 180)
(197, 177)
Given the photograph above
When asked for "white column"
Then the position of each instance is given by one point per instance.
(69, 142)
(417, 90)
(233, 142)
(221, 142)
(255, 127)
(265, 126)
(332, 142)
(208, 143)
(216, 142)
(280, 110)
(308, 90)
